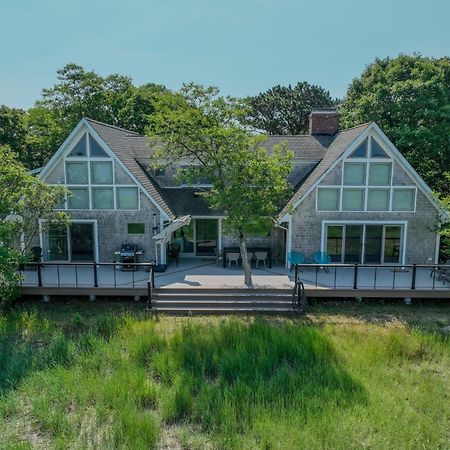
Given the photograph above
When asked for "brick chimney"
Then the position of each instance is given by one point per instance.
(324, 121)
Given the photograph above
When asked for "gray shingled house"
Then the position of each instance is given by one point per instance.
(356, 197)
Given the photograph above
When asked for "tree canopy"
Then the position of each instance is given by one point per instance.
(285, 109)
(24, 199)
(248, 182)
(409, 98)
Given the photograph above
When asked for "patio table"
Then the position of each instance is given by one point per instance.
(226, 250)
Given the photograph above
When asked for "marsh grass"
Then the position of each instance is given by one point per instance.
(110, 378)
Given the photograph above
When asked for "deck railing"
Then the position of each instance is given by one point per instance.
(437, 276)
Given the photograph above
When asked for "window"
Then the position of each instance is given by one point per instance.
(77, 172)
(378, 200)
(328, 199)
(95, 148)
(102, 198)
(127, 198)
(101, 172)
(380, 174)
(361, 151)
(376, 150)
(79, 149)
(136, 228)
(354, 174)
(79, 198)
(392, 236)
(353, 200)
(334, 242)
(403, 199)
(160, 171)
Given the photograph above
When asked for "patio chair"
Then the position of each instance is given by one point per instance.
(217, 255)
(295, 258)
(233, 257)
(322, 258)
(174, 252)
(36, 256)
(261, 256)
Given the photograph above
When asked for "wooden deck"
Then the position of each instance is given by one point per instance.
(199, 277)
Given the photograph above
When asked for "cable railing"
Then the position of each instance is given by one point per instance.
(374, 276)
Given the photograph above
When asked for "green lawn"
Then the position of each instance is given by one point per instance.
(105, 375)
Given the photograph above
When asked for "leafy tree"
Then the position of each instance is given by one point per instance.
(285, 109)
(249, 184)
(13, 128)
(409, 98)
(24, 199)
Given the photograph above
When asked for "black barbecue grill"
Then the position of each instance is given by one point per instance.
(128, 256)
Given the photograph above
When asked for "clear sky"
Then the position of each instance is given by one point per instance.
(243, 47)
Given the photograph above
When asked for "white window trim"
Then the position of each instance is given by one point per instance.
(403, 238)
(367, 161)
(69, 249)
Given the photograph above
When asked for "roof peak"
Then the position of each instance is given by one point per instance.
(112, 126)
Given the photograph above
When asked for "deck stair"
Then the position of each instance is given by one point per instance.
(222, 301)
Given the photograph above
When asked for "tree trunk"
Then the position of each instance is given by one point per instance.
(245, 264)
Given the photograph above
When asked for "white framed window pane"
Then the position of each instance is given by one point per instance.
(76, 172)
(101, 172)
(377, 151)
(354, 174)
(380, 174)
(378, 200)
(403, 199)
(96, 149)
(102, 198)
(79, 198)
(79, 149)
(361, 151)
(328, 199)
(127, 198)
(353, 200)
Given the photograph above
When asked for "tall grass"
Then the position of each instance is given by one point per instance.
(109, 380)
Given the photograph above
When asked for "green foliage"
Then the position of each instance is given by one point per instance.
(249, 181)
(285, 109)
(215, 383)
(24, 199)
(409, 98)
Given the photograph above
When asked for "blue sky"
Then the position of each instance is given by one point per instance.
(243, 46)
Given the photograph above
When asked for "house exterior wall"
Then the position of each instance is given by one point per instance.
(112, 228)
(420, 239)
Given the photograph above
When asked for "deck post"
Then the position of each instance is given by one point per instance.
(95, 275)
(39, 274)
(407, 301)
(355, 277)
(414, 272)
(92, 297)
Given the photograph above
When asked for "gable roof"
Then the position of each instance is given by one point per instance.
(340, 144)
(121, 142)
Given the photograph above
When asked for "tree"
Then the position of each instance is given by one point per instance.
(409, 98)
(285, 109)
(249, 184)
(13, 128)
(24, 199)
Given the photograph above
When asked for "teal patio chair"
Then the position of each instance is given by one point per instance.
(322, 258)
(295, 258)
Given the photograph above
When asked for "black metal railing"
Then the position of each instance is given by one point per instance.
(150, 286)
(375, 276)
(83, 274)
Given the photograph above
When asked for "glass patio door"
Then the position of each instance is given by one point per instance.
(82, 241)
(56, 247)
(205, 236)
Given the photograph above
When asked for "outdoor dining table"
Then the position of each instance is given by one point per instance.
(227, 250)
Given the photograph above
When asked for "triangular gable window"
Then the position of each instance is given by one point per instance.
(377, 151)
(79, 149)
(96, 150)
(361, 151)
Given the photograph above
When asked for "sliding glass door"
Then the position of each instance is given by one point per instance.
(364, 243)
